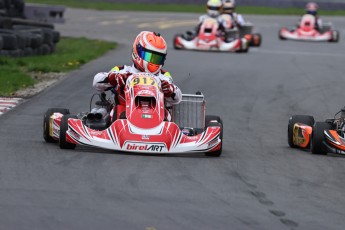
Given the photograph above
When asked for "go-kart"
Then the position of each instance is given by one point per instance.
(306, 31)
(141, 125)
(210, 38)
(244, 31)
(319, 137)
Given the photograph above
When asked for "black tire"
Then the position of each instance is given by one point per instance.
(174, 42)
(317, 145)
(280, 35)
(304, 119)
(211, 121)
(46, 127)
(10, 41)
(63, 129)
(44, 49)
(56, 36)
(259, 38)
(36, 40)
(335, 36)
(1, 43)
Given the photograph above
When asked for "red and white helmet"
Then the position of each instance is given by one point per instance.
(228, 6)
(149, 52)
(311, 8)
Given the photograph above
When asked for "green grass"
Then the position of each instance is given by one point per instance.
(90, 4)
(70, 54)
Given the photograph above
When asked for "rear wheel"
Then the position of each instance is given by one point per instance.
(304, 119)
(317, 146)
(280, 35)
(46, 125)
(256, 40)
(215, 121)
(63, 129)
(335, 36)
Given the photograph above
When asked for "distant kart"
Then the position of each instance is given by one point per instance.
(306, 32)
(320, 137)
(244, 31)
(210, 39)
(142, 125)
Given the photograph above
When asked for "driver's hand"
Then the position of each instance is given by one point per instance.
(118, 79)
(167, 88)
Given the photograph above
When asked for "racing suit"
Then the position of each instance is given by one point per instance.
(101, 83)
(231, 24)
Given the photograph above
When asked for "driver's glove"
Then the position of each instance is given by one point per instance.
(118, 79)
(168, 88)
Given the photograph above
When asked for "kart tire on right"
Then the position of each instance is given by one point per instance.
(335, 36)
(317, 145)
(304, 119)
(63, 129)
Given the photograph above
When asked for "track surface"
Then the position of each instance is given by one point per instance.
(258, 182)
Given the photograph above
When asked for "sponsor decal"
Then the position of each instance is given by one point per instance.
(145, 147)
(146, 116)
(145, 137)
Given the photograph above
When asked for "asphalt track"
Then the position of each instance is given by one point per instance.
(258, 182)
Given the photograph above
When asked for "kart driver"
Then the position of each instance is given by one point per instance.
(148, 55)
(228, 8)
(311, 8)
(213, 11)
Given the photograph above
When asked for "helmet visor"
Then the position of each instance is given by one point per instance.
(215, 8)
(151, 56)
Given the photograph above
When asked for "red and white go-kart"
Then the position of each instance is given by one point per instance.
(306, 31)
(209, 38)
(141, 126)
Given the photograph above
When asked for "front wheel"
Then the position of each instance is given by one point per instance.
(176, 47)
(318, 136)
(280, 34)
(63, 143)
(304, 119)
(215, 121)
(46, 122)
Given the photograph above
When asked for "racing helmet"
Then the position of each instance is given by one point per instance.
(214, 7)
(311, 8)
(228, 6)
(149, 52)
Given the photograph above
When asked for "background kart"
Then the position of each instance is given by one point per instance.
(244, 31)
(320, 137)
(306, 31)
(210, 38)
(141, 125)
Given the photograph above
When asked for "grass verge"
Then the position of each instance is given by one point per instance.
(92, 4)
(70, 54)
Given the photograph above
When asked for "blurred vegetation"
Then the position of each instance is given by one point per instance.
(89, 4)
(70, 54)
